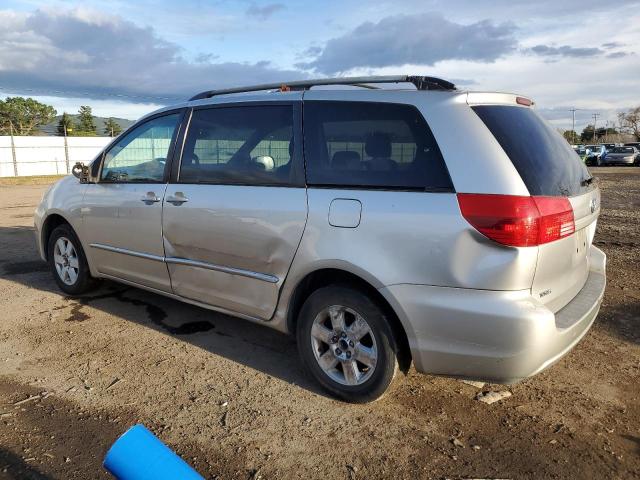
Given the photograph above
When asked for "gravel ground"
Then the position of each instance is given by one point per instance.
(233, 400)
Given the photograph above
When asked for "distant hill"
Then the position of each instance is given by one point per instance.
(52, 128)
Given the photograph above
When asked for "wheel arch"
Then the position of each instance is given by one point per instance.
(52, 221)
(323, 277)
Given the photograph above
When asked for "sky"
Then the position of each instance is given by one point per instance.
(128, 58)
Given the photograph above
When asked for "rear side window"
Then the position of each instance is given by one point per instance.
(371, 145)
(545, 161)
(247, 145)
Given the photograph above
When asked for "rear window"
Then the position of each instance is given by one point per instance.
(623, 150)
(543, 158)
(371, 145)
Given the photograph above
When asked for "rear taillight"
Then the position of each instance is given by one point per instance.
(518, 221)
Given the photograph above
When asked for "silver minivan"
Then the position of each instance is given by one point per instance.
(381, 226)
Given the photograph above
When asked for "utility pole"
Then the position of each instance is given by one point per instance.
(595, 119)
(573, 124)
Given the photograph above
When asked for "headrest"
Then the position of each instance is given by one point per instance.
(378, 145)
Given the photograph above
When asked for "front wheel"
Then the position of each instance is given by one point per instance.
(67, 261)
(347, 344)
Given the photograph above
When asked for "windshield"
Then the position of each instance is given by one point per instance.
(623, 150)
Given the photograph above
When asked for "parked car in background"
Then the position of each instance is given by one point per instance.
(376, 244)
(636, 145)
(622, 156)
(580, 150)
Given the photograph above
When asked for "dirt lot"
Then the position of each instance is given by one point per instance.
(233, 400)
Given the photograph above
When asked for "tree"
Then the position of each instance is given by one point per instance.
(571, 136)
(587, 134)
(112, 128)
(65, 125)
(86, 123)
(630, 122)
(22, 116)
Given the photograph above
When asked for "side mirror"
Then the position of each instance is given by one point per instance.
(81, 172)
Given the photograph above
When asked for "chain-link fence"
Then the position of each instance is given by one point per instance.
(22, 156)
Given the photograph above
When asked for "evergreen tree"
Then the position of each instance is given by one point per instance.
(86, 123)
(65, 125)
(112, 128)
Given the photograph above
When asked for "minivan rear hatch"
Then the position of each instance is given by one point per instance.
(549, 167)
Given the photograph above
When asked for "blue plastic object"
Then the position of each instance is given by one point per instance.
(139, 455)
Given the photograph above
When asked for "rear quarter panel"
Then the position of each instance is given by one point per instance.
(406, 238)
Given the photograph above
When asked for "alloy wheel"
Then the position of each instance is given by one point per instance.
(344, 345)
(65, 259)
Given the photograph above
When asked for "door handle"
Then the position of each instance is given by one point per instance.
(177, 199)
(149, 198)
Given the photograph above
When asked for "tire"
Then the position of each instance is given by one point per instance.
(341, 344)
(76, 279)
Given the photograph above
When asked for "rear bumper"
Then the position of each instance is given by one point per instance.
(495, 336)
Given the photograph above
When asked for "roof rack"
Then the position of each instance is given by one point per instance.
(420, 82)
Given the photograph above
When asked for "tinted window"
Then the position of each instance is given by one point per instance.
(250, 145)
(141, 155)
(543, 158)
(371, 145)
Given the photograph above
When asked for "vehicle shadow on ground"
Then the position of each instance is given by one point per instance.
(12, 467)
(241, 341)
(622, 320)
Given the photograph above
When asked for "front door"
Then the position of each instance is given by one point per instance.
(235, 213)
(122, 213)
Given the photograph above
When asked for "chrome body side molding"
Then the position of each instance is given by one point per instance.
(219, 268)
(191, 263)
(124, 251)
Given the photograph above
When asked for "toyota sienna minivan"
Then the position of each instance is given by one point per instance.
(380, 226)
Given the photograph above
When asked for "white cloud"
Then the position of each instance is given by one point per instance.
(423, 39)
(89, 53)
(86, 53)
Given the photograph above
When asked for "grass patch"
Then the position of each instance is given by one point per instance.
(35, 180)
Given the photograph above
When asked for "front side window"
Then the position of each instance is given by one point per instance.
(141, 155)
(247, 145)
(371, 145)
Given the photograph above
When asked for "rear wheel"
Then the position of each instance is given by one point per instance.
(67, 261)
(347, 344)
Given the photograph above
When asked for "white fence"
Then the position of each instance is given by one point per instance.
(25, 156)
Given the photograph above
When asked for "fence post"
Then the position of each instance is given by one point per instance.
(13, 152)
(66, 151)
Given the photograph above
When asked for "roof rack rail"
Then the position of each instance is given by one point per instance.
(420, 82)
